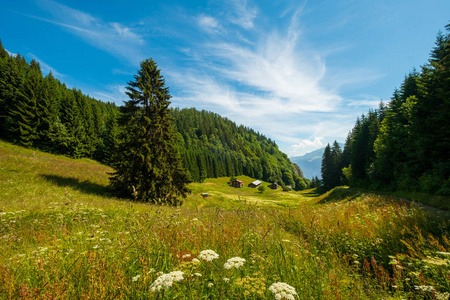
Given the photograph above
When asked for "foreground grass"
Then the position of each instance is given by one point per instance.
(61, 237)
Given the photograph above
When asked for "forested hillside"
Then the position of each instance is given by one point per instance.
(41, 112)
(213, 146)
(404, 145)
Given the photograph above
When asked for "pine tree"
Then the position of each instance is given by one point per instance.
(148, 165)
(327, 167)
(24, 111)
(336, 155)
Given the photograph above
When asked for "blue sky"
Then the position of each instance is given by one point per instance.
(300, 72)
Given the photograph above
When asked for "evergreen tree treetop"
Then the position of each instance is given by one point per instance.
(147, 163)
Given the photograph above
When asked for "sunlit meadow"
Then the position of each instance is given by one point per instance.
(63, 237)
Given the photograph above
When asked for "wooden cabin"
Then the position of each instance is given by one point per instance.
(274, 186)
(237, 183)
(255, 184)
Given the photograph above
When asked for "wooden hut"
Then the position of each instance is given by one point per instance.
(237, 183)
(255, 184)
(273, 186)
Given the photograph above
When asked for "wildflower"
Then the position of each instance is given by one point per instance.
(442, 296)
(208, 255)
(195, 261)
(165, 281)
(226, 279)
(210, 284)
(135, 278)
(194, 219)
(425, 288)
(95, 247)
(198, 274)
(235, 262)
(283, 290)
(186, 256)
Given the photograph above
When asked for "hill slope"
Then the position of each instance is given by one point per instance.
(62, 237)
(213, 146)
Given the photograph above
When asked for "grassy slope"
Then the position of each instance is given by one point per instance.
(62, 237)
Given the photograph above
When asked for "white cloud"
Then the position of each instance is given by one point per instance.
(115, 38)
(45, 68)
(10, 53)
(209, 24)
(305, 146)
(243, 15)
(113, 93)
(275, 78)
(365, 100)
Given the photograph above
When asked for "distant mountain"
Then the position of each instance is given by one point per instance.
(311, 162)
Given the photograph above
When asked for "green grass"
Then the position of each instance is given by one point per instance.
(224, 196)
(63, 237)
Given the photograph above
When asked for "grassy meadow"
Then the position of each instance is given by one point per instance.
(63, 237)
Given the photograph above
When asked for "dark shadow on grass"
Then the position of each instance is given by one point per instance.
(86, 186)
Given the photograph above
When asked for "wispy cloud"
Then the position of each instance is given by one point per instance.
(272, 80)
(113, 93)
(241, 14)
(209, 24)
(277, 77)
(10, 53)
(364, 100)
(45, 67)
(117, 39)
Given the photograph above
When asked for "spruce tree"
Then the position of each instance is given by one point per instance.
(147, 165)
(327, 167)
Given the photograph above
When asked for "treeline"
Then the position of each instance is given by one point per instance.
(212, 146)
(41, 112)
(404, 145)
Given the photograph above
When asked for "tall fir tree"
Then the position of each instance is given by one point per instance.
(148, 165)
(24, 111)
(327, 167)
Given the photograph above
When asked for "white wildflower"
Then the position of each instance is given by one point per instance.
(283, 290)
(235, 262)
(226, 279)
(135, 278)
(210, 284)
(198, 274)
(425, 288)
(194, 219)
(195, 261)
(442, 296)
(208, 255)
(186, 256)
(165, 281)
